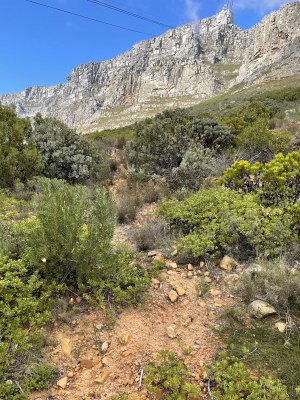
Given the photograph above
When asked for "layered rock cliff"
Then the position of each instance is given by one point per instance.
(179, 68)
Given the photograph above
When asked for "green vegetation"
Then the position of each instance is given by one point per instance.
(19, 158)
(226, 176)
(275, 182)
(232, 381)
(217, 221)
(168, 377)
(66, 155)
(268, 350)
(163, 148)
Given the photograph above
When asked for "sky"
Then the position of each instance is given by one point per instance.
(40, 46)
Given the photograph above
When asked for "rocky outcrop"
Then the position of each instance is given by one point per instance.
(179, 68)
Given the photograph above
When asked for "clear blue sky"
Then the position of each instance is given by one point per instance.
(40, 46)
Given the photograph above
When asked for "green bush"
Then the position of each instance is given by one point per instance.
(257, 142)
(276, 181)
(67, 156)
(232, 381)
(19, 158)
(68, 239)
(169, 375)
(197, 164)
(24, 304)
(159, 145)
(217, 221)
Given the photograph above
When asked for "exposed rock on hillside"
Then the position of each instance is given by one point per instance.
(179, 68)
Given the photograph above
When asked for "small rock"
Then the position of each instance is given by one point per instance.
(123, 339)
(85, 363)
(70, 374)
(260, 309)
(104, 347)
(103, 378)
(99, 327)
(66, 347)
(171, 332)
(190, 275)
(281, 326)
(173, 296)
(174, 253)
(180, 291)
(78, 299)
(171, 264)
(227, 263)
(215, 292)
(207, 279)
(152, 253)
(202, 264)
(190, 267)
(206, 273)
(201, 303)
(62, 383)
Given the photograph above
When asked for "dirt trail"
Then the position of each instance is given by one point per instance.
(138, 335)
(185, 326)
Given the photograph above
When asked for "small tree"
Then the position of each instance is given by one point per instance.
(19, 159)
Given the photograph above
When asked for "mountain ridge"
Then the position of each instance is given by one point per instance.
(181, 67)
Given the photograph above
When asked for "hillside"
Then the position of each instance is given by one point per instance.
(177, 69)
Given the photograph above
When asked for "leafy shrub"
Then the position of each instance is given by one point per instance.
(257, 142)
(275, 181)
(24, 304)
(275, 282)
(232, 381)
(169, 375)
(40, 377)
(246, 116)
(159, 145)
(219, 220)
(69, 237)
(150, 235)
(19, 159)
(67, 156)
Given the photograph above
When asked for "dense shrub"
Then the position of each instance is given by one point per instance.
(67, 156)
(246, 116)
(24, 304)
(19, 159)
(69, 237)
(197, 164)
(169, 376)
(276, 181)
(159, 145)
(257, 142)
(220, 220)
(231, 380)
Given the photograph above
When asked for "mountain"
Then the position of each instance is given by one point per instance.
(180, 68)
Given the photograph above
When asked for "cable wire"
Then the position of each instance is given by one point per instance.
(123, 11)
(90, 18)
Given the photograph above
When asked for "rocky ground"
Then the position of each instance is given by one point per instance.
(96, 361)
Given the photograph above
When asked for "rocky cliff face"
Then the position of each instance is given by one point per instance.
(179, 68)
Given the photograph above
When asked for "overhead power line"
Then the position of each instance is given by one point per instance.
(123, 11)
(90, 18)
